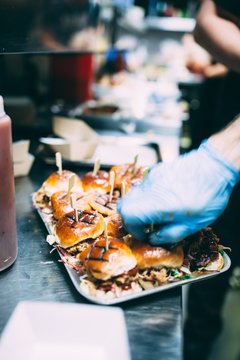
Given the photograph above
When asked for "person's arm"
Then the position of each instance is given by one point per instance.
(227, 143)
(179, 198)
(215, 70)
(218, 32)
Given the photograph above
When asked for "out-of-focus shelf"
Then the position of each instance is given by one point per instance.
(175, 24)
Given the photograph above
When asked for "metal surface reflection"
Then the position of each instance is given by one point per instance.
(51, 26)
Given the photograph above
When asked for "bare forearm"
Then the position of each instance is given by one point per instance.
(227, 142)
(218, 35)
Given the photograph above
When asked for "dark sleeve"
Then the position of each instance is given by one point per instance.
(232, 6)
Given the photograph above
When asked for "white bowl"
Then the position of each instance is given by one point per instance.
(20, 150)
(22, 168)
(60, 331)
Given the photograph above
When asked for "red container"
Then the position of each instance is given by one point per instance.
(8, 239)
(71, 77)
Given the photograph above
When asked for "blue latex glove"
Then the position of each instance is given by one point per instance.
(179, 198)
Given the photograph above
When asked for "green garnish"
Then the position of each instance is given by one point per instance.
(173, 273)
(185, 277)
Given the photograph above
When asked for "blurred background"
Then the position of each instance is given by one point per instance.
(126, 68)
(72, 57)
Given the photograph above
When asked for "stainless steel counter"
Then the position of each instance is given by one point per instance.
(153, 322)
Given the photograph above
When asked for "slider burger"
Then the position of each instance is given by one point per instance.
(55, 182)
(130, 174)
(60, 202)
(148, 256)
(59, 182)
(70, 232)
(202, 251)
(155, 263)
(115, 226)
(98, 182)
(103, 204)
(103, 262)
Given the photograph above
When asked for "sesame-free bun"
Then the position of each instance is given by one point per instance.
(98, 182)
(103, 263)
(130, 174)
(115, 226)
(101, 203)
(148, 256)
(57, 182)
(70, 232)
(61, 205)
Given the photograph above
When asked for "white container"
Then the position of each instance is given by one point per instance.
(22, 168)
(74, 150)
(60, 331)
(20, 150)
(72, 129)
(78, 140)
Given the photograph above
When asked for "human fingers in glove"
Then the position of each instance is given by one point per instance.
(179, 198)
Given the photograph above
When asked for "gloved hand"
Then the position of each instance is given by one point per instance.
(179, 198)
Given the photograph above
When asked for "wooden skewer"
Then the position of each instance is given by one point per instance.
(135, 164)
(70, 186)
(96, 167)
(74, 206)
(111, 181)
(106, 234)
(58, 157)
(123, 188)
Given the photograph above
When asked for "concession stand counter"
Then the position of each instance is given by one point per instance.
(153, 322)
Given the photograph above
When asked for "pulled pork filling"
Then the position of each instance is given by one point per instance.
(123, 281)
(200, 249)
(77, 249)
